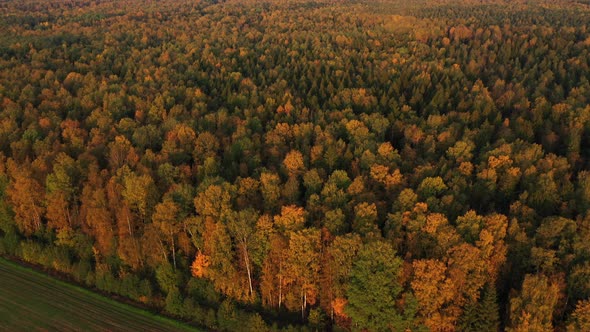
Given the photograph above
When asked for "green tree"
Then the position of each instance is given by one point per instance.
(483, 315)
(167, 278)
(174, 302)
(431, 186)
(374, 288)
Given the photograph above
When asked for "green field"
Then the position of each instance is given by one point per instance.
(31, 301)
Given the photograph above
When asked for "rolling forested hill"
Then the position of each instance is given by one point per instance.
(305, 165)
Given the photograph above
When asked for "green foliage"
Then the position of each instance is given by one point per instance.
(9, 243)
(374, 288)
(431, 186)
(6, 218)
(227, 316)
(167, 278)
(64, 177)
(174, 303)
(483, 315)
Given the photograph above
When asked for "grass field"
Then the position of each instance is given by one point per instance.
(31, 301)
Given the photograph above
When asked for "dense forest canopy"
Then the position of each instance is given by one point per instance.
(305, 165)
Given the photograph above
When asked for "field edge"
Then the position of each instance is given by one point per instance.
(57, 278)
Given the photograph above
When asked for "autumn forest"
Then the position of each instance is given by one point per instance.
(304, 165)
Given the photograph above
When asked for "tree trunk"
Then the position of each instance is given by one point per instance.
(129, 225)
(303, 299)
(134, 240)
(247, 262)
(163, 249)
(280, 288)
(173, 251)
(36, 214)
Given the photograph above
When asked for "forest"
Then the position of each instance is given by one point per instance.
(304, 165)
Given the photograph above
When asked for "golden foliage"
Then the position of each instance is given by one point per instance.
(200, 265)
(291, 218)
(294, 163)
